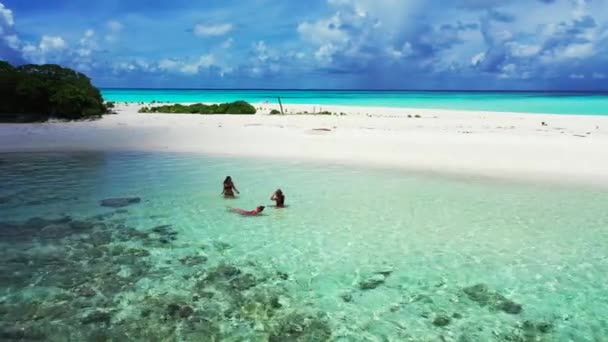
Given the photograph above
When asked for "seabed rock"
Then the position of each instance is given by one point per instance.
(301, 327)
(372, 282)
(176, 311)
(137, 252)
(85, 291)
(529, 331)
(119, 202)
(192, 260)
(483, 296)
(243, 282)
(223, 271)
(441, 320)
(80, 282)
(97, 317)
(160, 236)
(385, 270)
(20, 334)
(101, 238)
(347, 297)
(221, 246)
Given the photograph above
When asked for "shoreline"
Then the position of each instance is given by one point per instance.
(567, 149)
(358, 108)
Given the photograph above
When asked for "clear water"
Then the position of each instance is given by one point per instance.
(525, 102)
(542, 247)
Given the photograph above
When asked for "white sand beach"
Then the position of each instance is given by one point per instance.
(566, 149)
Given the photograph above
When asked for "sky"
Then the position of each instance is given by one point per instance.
(333, 44)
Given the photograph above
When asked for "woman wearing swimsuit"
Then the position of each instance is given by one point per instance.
(229, 188)
(244, 212)
(279, 198)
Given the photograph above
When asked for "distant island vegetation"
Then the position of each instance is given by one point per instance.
(237, 107)
(30, 93)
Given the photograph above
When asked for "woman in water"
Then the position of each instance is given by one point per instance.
(229, 188)
(244, 212)
(279, 198)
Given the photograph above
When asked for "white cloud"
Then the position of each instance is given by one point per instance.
(185, 67)
(360, 32)
(578, 51)
(568, 52)
(84, 54)
(124, 66)
(115, 25)
(599, 76)
(324, 31)
(405, 51)
(512, 71)
(168, 64)
(49, 49)
(133, 65)
(87, 44)
(264, 59)
(226, 44)
(12, 41)
(523, 50)
(212, 30)
(51, 43)
(6, 16)
(478, 59)
(261, 50)
(6, 27)
(580, 8)
(577, 76)
(296, 54)
(326, 52)
(390, 13)
(203, 62)
(114, 29)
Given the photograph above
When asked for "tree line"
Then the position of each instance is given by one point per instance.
(30, 93)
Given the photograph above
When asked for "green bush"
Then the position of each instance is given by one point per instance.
(238, 107)
(40, 92)
(274, 111)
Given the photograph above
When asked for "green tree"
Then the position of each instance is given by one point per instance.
(39, 92)
(237, 107)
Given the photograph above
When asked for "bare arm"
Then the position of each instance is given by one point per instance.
(235, 189)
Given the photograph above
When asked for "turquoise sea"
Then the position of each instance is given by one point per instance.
(526, 102)
(359, 255)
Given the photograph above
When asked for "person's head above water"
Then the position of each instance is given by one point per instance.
(228, 180)
(279, 192)
(260, 208)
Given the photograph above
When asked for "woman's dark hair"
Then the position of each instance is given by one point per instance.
(260, 208)
(228, 180)
(279, 192)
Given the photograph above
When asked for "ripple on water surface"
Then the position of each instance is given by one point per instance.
(357, 255)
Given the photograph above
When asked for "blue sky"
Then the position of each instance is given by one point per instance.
(370, 44)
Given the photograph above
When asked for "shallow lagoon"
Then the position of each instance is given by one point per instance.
(367, 255)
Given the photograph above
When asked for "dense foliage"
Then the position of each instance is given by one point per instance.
(238, 107)
(39, 92)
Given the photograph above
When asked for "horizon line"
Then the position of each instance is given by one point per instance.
(370, 90)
